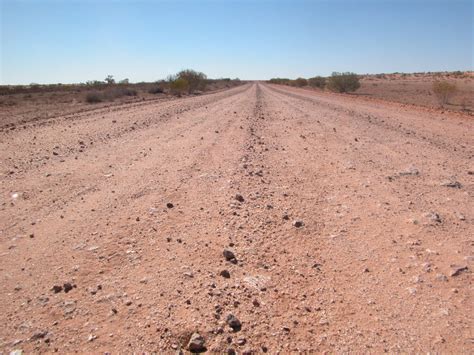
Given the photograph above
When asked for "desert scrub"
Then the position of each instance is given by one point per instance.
(444, 91)
(343, 82)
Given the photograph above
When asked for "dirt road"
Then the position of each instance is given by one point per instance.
(353, 233)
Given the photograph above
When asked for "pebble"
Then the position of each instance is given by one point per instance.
(234, 322)
(229, 256)
(453, 184)
(457, 270)
(239, 198)
(197, 343)
(57, 288)
(241, 341)
(225, 274)
(68, 287)
(298, 223)
(169, 205)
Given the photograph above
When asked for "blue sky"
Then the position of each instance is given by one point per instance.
(75, 41)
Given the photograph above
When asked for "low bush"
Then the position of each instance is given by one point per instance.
(156, 90)
(94, 97)
(179, 86)
(317, 82)
(280, 81)
(444, 91)
(343, 82)
(300, 82)
(109, 94)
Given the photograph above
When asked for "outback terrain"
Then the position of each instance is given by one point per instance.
(261, 218)
(417, 89)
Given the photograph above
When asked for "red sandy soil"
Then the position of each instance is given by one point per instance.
(354, 232)
(418, 90)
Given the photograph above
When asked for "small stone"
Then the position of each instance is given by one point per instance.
(234, 322)
(57, 288)
(16, 352)
(197, 343)
(169, 205)
(256, 303)
(452, 183)
(441, 277)
(39, 335)
(91, 337)
(225, 274)
(241, 341)
(229, 256)
(68, 287)
(434, 217)
(298, 223)
(457, 270)
(410, 171)
(239, 198)
(286, 217)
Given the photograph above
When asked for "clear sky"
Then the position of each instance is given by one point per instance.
(75, 41)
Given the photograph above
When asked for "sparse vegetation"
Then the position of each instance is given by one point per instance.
(317, 82)
(195, 80)
(444, 91)
(343, 82)
(109, 95)
(179, 86)
(280, 81)
(156, 90)
(300, 82)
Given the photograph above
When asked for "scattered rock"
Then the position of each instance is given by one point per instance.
(169, 205)
(298, 223)
(225, 274)
(434, 217)
(457, 270)
(57, 288)
(241, 341)
(234, 322)
(68, 287)
(197, 343)
(229, 256)
(452, 183)
(410, 171)
(39, 335)
(239, 198)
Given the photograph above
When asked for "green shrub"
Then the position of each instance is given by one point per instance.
(444, 91)
(179, 86)
(195, 80)
(343, 82)
(317, 82)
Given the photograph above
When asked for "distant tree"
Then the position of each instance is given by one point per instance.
(110, 79)
(343, 82)
(124, 81)
(444, 91)
(196, 80)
